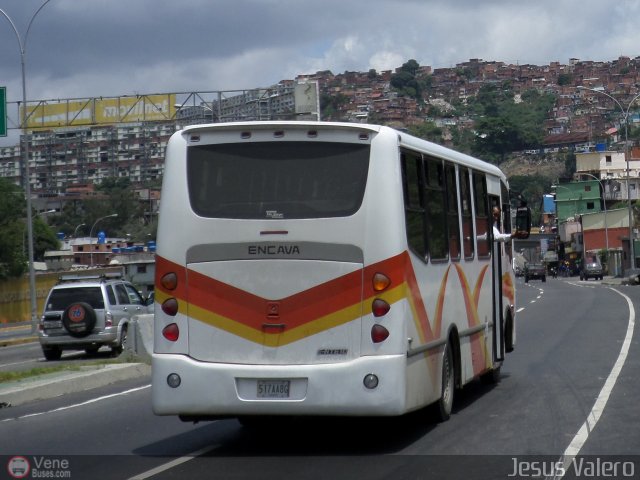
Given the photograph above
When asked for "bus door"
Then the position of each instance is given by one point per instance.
(497, 249)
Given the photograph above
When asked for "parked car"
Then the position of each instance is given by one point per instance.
(591, 270)
(88, 312)
(535, 271)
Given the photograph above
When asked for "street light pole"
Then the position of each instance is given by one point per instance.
(625, 119)
(22, 43)
(91, 235)
(75, 232)
(604, 201)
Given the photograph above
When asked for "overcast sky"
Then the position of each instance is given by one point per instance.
(86, 48)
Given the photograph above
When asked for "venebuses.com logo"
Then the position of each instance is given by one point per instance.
(38, 467)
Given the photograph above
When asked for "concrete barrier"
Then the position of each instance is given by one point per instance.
(140, 341)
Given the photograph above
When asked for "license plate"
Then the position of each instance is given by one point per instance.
(52, 324)
(273, 388)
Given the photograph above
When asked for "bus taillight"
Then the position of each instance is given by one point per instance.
(380, 307)
(380, 282)
(171, 332)
(170, 306)
(169, 281)
(379, 333)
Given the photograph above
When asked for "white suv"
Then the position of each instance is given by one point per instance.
(85, 313)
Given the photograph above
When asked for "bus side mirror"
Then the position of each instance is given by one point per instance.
(523, 223)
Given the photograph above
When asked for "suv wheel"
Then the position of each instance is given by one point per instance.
(117, 350)
(52, 353)
(79, 319)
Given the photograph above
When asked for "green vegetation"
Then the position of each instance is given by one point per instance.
(114, 195)
(17, 375)
(532, 188)
(505, 125)
(407, 82)
(428, 131)
(14, 231)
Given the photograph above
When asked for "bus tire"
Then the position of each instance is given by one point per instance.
(508, 335)
(444, 405)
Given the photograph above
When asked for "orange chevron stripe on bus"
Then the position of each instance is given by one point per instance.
(312, 268)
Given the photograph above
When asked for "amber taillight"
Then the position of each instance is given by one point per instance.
(380, 307)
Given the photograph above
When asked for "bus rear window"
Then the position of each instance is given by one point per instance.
(277, 180)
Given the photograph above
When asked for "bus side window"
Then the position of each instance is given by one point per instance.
(436, 212)
(453, 223)
(483, 222)
(467, 219)
(413, 189)
(506, 215)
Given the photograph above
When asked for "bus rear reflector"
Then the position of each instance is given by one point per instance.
(380, 307)
(171, 332)
(170, 306)
(379, 333)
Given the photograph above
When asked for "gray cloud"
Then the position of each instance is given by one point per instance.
(80, 48)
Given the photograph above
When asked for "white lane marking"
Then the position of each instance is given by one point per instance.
(173, 463)
(520, 309)
(592, 419)
(76, 405)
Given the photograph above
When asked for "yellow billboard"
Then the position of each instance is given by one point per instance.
(101, 111)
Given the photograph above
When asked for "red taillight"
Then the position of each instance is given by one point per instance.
(380, 307)
(170, 306)
(379, 333)
(171, 332)
(380, 282)
(169, 281)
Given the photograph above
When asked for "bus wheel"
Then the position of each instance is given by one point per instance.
(445, 404)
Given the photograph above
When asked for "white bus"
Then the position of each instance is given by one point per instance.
(312, 268)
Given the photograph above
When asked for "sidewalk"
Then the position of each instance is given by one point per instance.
(16, 334)
(619, 281)
(52, 385)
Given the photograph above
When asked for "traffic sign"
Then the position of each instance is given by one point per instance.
(3, 111)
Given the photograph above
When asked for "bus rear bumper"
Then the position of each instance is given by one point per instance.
(213, 389)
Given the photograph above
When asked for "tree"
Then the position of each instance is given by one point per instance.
(13, 232)
(405, 81)
(44, 239)
(565, 79)
(331, 105)
(427, 130)
(504, 125)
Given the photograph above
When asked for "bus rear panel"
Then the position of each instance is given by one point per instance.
(285, 283)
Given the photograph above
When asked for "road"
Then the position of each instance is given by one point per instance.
(569, 388)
